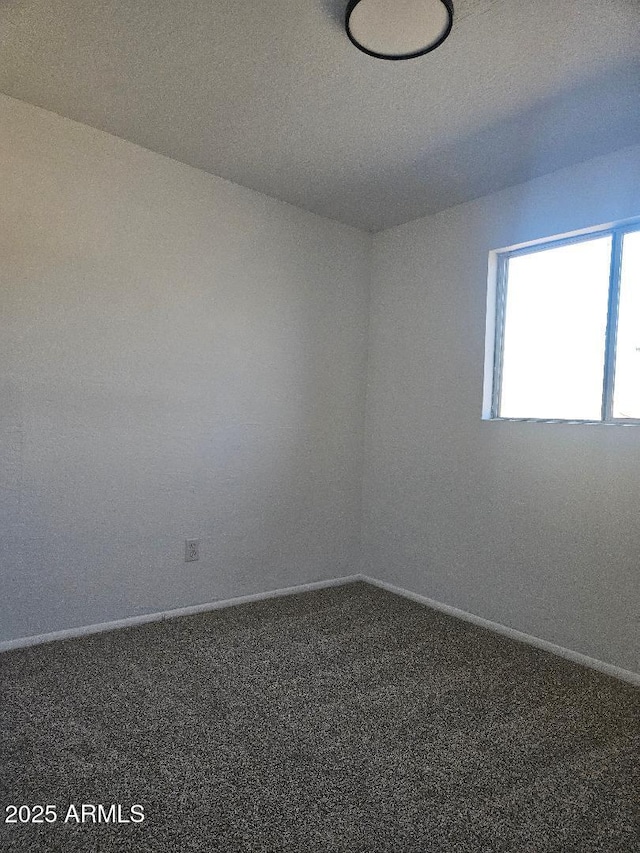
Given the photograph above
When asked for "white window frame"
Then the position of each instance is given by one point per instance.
(496, 307)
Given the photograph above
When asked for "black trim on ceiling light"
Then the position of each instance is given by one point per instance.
(448, 4)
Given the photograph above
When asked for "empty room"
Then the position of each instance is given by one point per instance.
(320, 426)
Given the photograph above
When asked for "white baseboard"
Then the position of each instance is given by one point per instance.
(569, 654)
(86, 630)
(130, 621)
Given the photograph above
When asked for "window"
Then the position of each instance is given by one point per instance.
(566, 343)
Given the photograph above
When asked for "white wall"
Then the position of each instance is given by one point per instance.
(534, 526)
(180, 357)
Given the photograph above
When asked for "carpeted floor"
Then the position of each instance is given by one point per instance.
(343, 721)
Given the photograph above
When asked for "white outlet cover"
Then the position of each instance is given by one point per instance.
(191, 550)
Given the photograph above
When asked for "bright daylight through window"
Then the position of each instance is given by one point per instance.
(567, 336)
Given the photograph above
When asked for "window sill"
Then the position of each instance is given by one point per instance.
(618, 422)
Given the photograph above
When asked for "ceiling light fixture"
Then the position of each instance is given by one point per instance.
(398, 29)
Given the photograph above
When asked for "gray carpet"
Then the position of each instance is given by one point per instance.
(343, 721)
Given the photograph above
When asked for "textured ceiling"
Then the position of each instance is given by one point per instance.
(273, 95)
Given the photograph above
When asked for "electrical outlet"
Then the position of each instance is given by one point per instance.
(191, 550)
